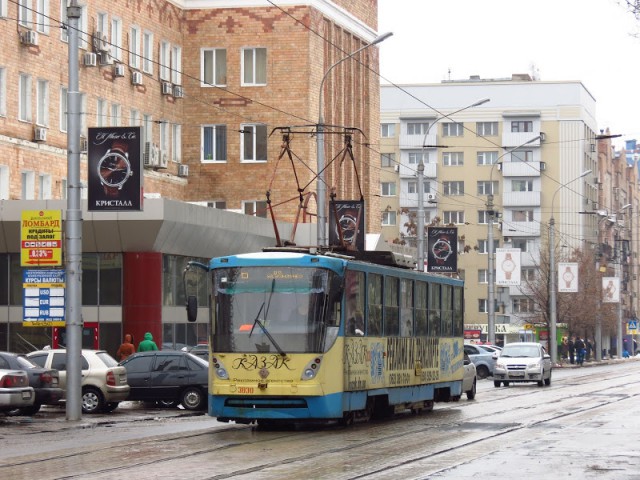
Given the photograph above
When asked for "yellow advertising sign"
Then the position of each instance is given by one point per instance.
(41, 238)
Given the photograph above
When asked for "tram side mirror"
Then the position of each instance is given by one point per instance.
(192, 308)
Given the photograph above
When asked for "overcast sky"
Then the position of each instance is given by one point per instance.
(587, 40)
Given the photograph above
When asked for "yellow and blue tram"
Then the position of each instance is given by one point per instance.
(298, 336)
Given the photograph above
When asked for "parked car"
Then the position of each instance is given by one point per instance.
(104, 382)
(15, 392)
(201, 350)
(523, 362)
(169, 378)
(45, 381)
(469, 381)
(481, 358)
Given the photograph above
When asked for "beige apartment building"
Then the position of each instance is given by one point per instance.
(527, 145)
(215, 86)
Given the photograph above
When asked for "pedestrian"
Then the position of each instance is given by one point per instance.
(589, 348)
(564, 349)
(147, 344)
(572, 351)
(126, 349)
(580, 350)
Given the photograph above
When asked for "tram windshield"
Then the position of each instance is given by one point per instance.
(275, 310)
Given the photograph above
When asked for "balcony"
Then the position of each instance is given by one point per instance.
(522, 169)
(521, 199)
(520, 229)
(415, 141)
(515, 139)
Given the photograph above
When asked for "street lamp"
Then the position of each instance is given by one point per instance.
(619, 275)
(491, 308)
(420, 227)
(553, 346)
(322, 218)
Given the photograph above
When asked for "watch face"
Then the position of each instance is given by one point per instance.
(508, 266)
(114, 169)
(348, 224)
(441, 249)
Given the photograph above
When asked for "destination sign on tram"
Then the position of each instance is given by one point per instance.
(43, 297)
(41, 238)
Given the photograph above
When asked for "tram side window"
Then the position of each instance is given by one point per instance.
(458, 312)
(391, 307)
(374, 317)
(422, 314)
(447, 310)
(406, 308)
(355, 290)
(434, 310)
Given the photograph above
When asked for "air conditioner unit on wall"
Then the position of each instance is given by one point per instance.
(40, 134)
(105, 58)
(396, 168)
(118, 70)
(101, 43)
(431, 197)
(150, 155)
(84, 144)
(89, 59)
(167, 88)
(136, 78)
(178, 91)
(183, 171)
(29, 37)
(163, 159)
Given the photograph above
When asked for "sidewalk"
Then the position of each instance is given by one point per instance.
(593, 363)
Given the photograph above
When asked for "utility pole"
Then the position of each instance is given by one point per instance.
(73, 225)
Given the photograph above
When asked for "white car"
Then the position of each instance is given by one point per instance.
(15, 391)
(469, 381)
(522, 362)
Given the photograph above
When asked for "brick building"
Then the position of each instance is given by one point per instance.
(208, 81)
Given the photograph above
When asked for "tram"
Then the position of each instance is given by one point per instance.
(301, 336)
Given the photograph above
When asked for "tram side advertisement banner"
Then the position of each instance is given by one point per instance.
(347, 217)
(115, 169)
(442, 249)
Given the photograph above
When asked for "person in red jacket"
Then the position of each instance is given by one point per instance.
(126, 349)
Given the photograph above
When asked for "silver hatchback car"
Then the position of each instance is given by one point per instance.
(104, 382)
(522, 362)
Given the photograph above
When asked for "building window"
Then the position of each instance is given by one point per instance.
(487, 158)
(255, 208)
(176, 143)
(453, 188)
(214, 143)
(3, 8)
(388, 159)
(102, 25)
(412, 187)
(176, 65)
(134, 47)
(165, 60)
(147, 52)
(482, 246)
(388, 219)
(116, 115)
(24, 13)
(116, 38)
(147, 127)
(388, 130)
(483, 305)
(101, 113)
(219, 204)
(28, 187)
(522, 156)
(522, 215)
(522, 185)
(528, 274)
(487, 188)
(254, 66)
(134, 118)
(483, 217)
(388, 189)
(520, 243)
(455, 217)
(518, 126)
(44, 190)
(414, 128)
(416, 157)
(42, 16)
(253, 140)
(63, 109)
(214, 67)
(453, 159)
(483, 276)
(164, 137)
(3, 92)
(523, 305)
(25, 98)
(4, 182)
(452, 129)
(42, 110)
(487, 129)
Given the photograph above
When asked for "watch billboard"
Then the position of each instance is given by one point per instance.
(507, 266)
(442, 249)
(115, 169)
(346, 223)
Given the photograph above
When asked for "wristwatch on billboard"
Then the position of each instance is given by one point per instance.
(508, 266)
(114, 168)
(568, 277)
(441, 249)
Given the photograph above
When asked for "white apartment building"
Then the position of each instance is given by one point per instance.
(526, 144)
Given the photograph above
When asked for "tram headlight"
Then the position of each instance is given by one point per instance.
(218, 367)
(311, 369)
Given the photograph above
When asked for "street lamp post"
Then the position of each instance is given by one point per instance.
(619, 275)
(420, 213)
(322, 190)
(553, 346)
(491, 295)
